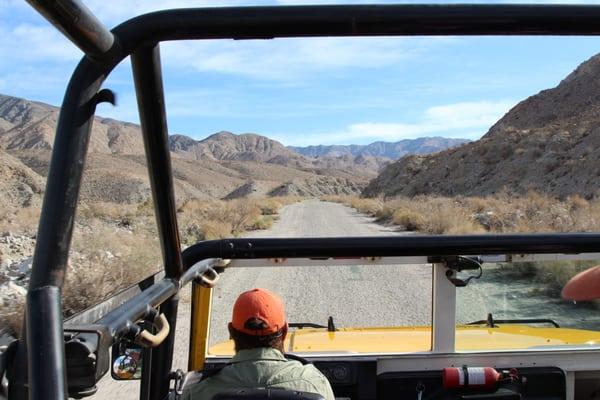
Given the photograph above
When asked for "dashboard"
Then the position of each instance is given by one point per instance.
(359, 380)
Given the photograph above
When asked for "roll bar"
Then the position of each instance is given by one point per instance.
(43, 353)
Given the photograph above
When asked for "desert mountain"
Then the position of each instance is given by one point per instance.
(116, 172)
(548, 142)
(26, 125)
(226, 146)
(219, 166)
(231, 147)
(389, 150)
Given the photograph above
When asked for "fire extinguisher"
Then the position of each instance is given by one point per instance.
(471, 378)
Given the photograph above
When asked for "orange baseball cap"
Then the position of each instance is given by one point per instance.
(258, 312)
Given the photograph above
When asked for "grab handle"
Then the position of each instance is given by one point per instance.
(147, 339)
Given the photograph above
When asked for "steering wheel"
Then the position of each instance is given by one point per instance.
(301, 360)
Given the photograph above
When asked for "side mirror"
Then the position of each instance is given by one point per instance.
(127, 361)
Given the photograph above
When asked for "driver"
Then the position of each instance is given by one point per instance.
(258, 329)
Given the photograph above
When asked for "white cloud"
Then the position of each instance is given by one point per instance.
(28, 42)
(465, 120)
(289, 59)
(111, 14)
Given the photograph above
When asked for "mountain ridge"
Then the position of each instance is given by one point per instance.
(547, 143)
(389, 150)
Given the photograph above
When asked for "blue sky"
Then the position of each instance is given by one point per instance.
(304, 91)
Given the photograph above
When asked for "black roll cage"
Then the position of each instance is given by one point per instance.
(40, 360)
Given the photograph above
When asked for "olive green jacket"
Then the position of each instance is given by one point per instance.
(262, 368)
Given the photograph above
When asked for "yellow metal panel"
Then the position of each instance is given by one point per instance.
(418, 339)
(200, 326)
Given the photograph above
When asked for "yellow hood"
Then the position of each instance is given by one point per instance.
(418, 339)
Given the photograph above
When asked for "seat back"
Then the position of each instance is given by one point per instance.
(275, 394)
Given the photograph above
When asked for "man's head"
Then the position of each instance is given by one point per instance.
(258, 320)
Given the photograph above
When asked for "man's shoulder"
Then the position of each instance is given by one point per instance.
(293, 371)
(307, 370)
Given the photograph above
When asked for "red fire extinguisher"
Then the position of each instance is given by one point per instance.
(472, 378)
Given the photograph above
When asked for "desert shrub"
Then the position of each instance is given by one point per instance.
(479, 204)
(334, 198)
(501, 212)
(264, 222)
(215, 219)
(269, 206)
(410, 220)
(194, 232)
(12, 311)
(23, 220)
(385, 213)
(576, 202)
(534, 204)
(449, 219)
(111, 258)
(242, 214)
(366, 206)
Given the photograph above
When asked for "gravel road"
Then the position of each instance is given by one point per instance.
(354, 296)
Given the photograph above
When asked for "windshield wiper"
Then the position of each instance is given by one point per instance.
(490, 322)
(330, 325)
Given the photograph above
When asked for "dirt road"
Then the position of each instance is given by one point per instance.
(354, 296)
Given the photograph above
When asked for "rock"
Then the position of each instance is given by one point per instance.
(11, 292)
(24, 267)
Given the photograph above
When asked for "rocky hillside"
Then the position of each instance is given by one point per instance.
(26, 125)
(116, 172)
(548, 143)
(20, 186)
(389, 150)
(226, 146)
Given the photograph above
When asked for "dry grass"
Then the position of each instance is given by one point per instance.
(116, 245)
(501, 213)
(105, 259)
(12, 312)
(22, 221)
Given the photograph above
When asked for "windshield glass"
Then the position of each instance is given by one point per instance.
(388, 308)
(361, 300)
(519, 306)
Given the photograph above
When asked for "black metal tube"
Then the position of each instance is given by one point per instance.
(392, 246)
(162, 356)
(56, 228)
(363, 20)
(64, 177)
(151, 104)
(147, 75)
(45, 339)
(120, 319)
(77, 23)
